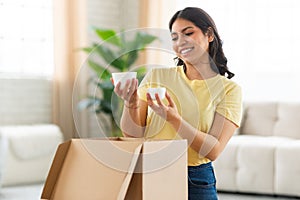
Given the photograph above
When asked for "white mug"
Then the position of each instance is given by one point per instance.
(122, 77)
(161, 91)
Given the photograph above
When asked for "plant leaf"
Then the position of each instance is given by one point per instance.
(141, 71)
(110, 57)
(87, 49)
(106, 107)
(132, 56)
(116, 52)
(108, 35)
(101, 72)
(106, 85)
(107, 92)
(87, 103)
(144, 39)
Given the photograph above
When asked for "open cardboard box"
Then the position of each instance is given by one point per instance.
(118, 168)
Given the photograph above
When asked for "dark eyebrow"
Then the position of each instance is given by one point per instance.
(182, 30)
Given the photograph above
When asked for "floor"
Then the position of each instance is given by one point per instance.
(230, 196)
(33, 192)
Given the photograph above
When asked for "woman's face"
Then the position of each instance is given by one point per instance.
(189, 42)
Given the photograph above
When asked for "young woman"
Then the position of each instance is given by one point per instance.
(201, 104)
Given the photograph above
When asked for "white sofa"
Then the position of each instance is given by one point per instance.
(27, 152)
(28, 139)
(264, 155)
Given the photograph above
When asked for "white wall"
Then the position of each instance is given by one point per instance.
(25, 101)
(112, 14)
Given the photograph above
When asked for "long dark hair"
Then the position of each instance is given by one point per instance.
(203, 21)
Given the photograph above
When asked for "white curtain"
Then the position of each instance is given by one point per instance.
(69, 36)
(155, 15)
(261, 40)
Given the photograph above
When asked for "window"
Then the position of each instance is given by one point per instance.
(26, 38)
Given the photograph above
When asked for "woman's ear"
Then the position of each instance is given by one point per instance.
(210, 34)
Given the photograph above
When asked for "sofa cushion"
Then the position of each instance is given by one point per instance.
(3, 149)
(226, 166)
(256, 158)
(247, 163)
(29, 150)
(32, 141)
(287, 174)
(288, 124)
(259, 119)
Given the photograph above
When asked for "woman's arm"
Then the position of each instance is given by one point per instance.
(134, 114)
(133, 119)
(209, 144)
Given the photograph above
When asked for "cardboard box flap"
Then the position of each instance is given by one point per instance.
(128, 178)
(161, 165)
(55, 169)
(118, 168)
(92, 168)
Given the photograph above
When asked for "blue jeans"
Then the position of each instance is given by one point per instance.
(202, 182)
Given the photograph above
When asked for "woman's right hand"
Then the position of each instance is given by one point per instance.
(128, 93)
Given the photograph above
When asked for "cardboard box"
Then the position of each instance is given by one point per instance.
(118, 168)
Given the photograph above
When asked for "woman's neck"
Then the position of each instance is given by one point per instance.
(199, 72)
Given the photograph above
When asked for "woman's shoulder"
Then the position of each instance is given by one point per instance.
(227, 80)
(227, 84)
(230, 84)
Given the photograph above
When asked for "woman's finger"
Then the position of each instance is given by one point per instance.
(170, 100)
(126, 86)
(159, 102)
(151, 103)
(149, 100)
(132, 87)
(117, 88)
(136, 83)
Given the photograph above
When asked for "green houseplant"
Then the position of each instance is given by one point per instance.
(116, 53)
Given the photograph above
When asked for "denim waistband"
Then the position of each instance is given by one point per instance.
(201, 166)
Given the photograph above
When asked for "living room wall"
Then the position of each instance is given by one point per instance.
(25, 101)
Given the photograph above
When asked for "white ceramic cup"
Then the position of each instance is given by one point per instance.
(122, 77)
(161, 91)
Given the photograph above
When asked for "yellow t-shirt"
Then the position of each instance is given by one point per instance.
(196, 101)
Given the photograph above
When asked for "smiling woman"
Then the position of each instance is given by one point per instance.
(201, 104)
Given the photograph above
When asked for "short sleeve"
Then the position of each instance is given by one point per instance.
(231, 105)
(144, 85)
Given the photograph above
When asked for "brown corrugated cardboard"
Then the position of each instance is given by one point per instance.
(118, 168)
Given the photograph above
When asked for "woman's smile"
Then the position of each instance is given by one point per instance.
(186, 51)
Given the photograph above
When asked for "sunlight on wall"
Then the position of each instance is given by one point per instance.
(261, 40)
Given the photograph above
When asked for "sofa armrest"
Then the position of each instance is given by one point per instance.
(27, 152)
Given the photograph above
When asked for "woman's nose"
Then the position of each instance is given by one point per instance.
(181, 40)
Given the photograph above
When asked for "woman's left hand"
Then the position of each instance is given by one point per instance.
(168, 112)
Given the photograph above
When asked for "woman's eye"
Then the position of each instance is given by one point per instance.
(188, 34)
